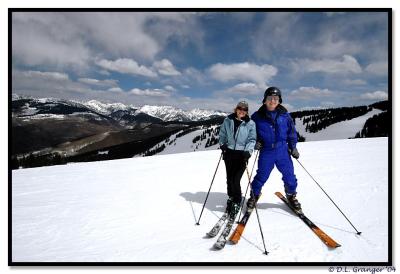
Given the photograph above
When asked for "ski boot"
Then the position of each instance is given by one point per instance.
(294, 202)
(252, 201)
(229, 203)
(234, 210)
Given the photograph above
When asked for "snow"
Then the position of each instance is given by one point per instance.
(184, 143)
(46, 116)
(145, 209)
(169, 113)
(107, 108)
(341, 130)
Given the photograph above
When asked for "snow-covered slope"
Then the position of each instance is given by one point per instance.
(145, 209)
(181, 144)
(341, 130)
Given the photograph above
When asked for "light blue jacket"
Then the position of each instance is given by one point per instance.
(245, 138)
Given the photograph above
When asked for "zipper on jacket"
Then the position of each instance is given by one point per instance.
(274, 122)
(237, 132)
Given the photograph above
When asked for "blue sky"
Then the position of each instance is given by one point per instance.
(208, 60)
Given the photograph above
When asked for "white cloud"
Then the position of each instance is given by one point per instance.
(49, 39)
(46, 75)
(104, 72)
(170, 88)
(127, 66)
(243, 72)
(289, 107)
(118, 34)
(165, 67)
(376, 95)
(115, 89)
(306, 93)
(191, 75)
(328, 45)
(378, 68)
(278, 32)
(245, 89)
(46, 84)
(75, 38)
(348, 64)
(149, 92)
(96, 82)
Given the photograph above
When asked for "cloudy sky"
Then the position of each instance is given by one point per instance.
(202, 60)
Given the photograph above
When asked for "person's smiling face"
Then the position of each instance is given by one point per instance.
(241, 112)
(272, 102)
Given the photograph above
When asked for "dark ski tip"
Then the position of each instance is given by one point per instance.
(359, 233)
(209, 236)
(217, 247)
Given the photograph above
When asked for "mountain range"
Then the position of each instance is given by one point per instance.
(49, 131)
(48, 128)
(126, 115)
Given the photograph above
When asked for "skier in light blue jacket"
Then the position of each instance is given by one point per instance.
(237, 138)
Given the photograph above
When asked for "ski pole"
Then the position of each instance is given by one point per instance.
(258, 217)
(247, 188)
(358, 232)
(208, 193)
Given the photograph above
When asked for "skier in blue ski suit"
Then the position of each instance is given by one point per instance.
(276, 139)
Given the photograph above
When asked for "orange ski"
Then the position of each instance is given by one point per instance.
(237, 234)
(322, 235)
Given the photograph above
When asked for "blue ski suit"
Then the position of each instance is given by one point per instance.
(277, 133)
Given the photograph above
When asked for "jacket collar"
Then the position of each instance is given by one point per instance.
(280, 109)
(233, 116)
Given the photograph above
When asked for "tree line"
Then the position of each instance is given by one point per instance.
(211, 134)
(316, 120)
(376, 126)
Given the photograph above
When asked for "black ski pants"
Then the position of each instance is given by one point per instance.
(235, 165)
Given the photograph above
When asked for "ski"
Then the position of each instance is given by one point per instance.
(222, 239)
(322, 235)
(217, 227)
(237, 233)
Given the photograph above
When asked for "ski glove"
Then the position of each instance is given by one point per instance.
(224, 147)
(295, 153)
(258, 145)
(246, 155)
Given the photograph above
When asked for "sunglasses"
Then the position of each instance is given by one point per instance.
(273, 98)
(242, 109)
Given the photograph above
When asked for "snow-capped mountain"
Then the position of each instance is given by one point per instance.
(168, 113)
(109, 108)
(118, 111)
